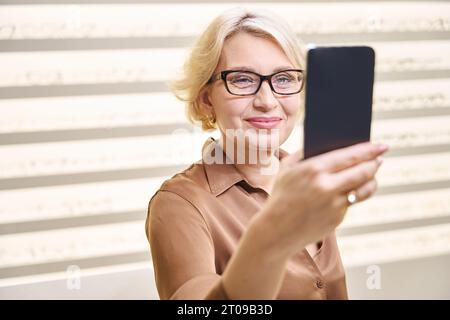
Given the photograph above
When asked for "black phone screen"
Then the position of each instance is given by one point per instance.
(338, 100)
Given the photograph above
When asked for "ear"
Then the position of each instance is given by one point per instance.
(205, 101)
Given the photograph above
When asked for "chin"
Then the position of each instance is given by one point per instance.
(256, 138)
(264, 139)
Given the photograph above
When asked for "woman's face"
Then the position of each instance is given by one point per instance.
(263, 56)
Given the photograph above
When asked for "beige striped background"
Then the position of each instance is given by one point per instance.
(88, 131)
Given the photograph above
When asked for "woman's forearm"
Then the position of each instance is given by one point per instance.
(256, 269)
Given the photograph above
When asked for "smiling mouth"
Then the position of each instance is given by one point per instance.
(264, 123)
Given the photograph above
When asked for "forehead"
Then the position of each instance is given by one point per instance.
(262, 54)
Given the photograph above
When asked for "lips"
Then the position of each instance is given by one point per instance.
(264, 122)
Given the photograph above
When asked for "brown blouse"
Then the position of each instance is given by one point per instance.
(194, 223)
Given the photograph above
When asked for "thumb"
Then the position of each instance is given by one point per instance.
(293, 158)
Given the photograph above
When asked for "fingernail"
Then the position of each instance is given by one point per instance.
(379, 160)
(383, 147)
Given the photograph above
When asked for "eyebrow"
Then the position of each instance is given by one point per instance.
(245, 68)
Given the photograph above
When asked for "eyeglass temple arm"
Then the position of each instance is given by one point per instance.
(215, 77)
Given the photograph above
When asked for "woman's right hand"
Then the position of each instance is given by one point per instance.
(309, 197)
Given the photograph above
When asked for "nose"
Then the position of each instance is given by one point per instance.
(264, 98)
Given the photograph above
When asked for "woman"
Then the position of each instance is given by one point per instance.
(246, 227)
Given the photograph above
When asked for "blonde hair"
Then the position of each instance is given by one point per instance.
(204, 57)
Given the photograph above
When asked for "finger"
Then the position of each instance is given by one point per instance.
(366, 191)
(356, 176)
(342, 203)
(292, 158)
(347, 157)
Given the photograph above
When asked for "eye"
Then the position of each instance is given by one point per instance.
(241, 79)
(284, 78)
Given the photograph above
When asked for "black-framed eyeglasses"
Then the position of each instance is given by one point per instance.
(247, 83)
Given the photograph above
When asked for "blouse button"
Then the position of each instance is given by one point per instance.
(319, 284)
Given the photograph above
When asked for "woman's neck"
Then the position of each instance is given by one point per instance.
(258, 167)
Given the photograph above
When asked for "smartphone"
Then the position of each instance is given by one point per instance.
(338, 98)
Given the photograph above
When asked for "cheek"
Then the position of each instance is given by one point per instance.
(291, 109)
(292, 106)
(229, 113)
(228, 117)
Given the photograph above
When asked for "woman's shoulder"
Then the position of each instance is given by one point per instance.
(191, 179)
(189, 187)
(178, 199)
